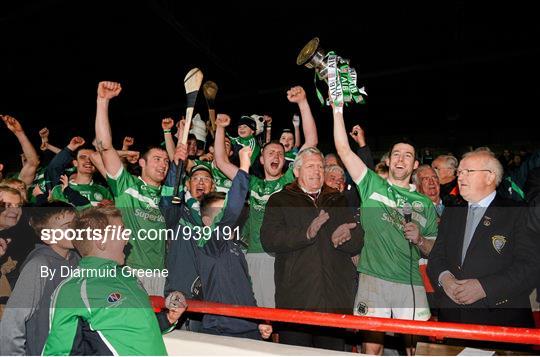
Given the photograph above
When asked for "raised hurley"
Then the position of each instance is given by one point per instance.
(210, 91)
(192, 84)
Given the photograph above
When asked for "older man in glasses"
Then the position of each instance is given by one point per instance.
(483, 261)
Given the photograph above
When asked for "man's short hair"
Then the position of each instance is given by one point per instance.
(404, 141)
(381, 168)
(492, 163)
(334, 168)
(419, 169)
(273, 142)
(39, 216)
(307, 151)
(208, 199)
(12, 181)
(450, 161)
(150, 148)
(81, 149)
(95, 218)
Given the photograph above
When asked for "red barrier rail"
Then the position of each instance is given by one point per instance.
(425, 328)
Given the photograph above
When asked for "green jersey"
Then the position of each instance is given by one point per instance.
(386, 252)
(222, 182)
(140, 212)
(290, 156)
(94, 192)
(260, 191)
(249, 141)
(114, 306)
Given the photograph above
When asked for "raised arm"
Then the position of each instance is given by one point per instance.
(111, 160)
(222, 161)
(297, 138)
(268, 130)
(298, 95)
(356, 167)
(167, 124)
(45, 145)
(28, 172)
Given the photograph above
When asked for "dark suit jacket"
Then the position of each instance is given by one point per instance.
(502, 255)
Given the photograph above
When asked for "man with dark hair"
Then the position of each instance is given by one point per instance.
(137, 197)
(261, 264)
(390, 284)
(82, 185)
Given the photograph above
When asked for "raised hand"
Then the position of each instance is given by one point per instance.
(181, 153)
(223, 120)
(108, 90)
(358, 135)
(245, 157)
(296, 94)
(12, 123)
(127, 142)
(267, 119)
(133, 156)
(75, 143)
(167, 123)
(64, 181)
(317, 223)
(296, 120)
(44, 135)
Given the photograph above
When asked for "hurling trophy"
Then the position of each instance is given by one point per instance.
(335, 71)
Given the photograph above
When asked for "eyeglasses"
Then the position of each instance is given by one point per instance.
(466, 172)
(204, 179)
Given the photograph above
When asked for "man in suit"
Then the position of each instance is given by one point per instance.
(484, 261)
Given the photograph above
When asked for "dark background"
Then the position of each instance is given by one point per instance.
(446, 75)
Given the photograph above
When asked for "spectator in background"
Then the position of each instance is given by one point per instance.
(427, 182)
(445, 166)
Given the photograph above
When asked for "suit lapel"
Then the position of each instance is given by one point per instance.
(484, 226)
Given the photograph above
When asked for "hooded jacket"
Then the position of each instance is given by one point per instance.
(25, 322)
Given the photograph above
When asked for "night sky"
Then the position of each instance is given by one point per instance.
(446, 75)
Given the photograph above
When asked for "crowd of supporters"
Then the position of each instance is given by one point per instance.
(242, 215)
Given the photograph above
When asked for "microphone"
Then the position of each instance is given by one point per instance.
(407, 212)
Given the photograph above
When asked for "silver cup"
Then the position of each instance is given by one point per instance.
(312, 56)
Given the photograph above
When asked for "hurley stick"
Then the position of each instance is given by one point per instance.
(210, 90)
(192, 83)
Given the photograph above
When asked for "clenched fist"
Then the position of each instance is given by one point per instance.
(108, 90)
(223, 120)
(296, 94)
(167, 123)
(12, 123)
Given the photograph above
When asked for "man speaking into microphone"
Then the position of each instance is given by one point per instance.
(388, 263)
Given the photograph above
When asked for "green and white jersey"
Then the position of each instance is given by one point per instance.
(222, 182)
(250, 141)
(112, 303)
(386, 253)
(260, 191)
(95, 193)
(290, 156)
(39, 180)
(140, 212)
